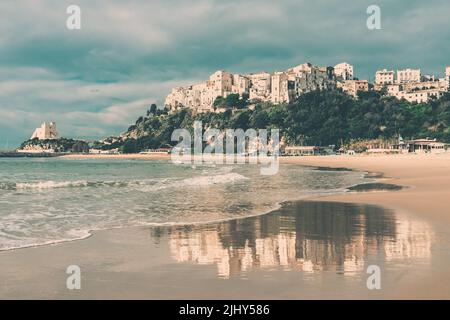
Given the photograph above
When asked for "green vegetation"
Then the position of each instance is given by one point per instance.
(231, 101)
(317, 118)
(59, 145)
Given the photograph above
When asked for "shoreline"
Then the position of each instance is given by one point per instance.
(419, 175)
(389, 169)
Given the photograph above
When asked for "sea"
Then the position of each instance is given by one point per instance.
(50, 200)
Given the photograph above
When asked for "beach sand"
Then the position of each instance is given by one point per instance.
(148, 262)
(427, 177)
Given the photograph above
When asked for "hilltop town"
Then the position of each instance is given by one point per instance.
(286, 86)
(312, 106)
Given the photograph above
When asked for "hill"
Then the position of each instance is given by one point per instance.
(317, 118)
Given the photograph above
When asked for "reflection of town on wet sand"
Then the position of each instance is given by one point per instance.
(303, 236)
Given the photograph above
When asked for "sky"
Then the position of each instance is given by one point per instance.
(95, 82)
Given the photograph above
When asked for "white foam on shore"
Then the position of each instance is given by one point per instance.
(143, 185)
(200, 181)
(76, 235)
(40, 185)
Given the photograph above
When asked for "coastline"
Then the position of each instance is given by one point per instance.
(128, 156)
(427, 178)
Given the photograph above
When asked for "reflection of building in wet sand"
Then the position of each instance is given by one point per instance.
(414, 240)
(306, 236)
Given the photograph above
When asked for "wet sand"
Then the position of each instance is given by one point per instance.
(305, 250)
(317, 250)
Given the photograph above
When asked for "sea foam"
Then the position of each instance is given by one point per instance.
(141, 185)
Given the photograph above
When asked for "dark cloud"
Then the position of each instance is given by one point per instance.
(131, 52)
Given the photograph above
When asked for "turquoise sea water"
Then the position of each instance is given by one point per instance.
(45, 201)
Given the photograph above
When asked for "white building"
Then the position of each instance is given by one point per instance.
(419, 96)
(307, 77)
(281, 88)
(352, 87)
(445, 83)
(241, 84)
(46, 131)
(221, 82)
(344, 71)
(393, 89)
(384, 77)
(408, 75)
(260, 86)
(423, 85)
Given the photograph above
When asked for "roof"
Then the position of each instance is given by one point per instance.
(301, 147)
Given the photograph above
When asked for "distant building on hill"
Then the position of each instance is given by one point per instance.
(344, 71)
(411, 85)
(384, 77)
(46, 131)
(408, 75)
(352, 87)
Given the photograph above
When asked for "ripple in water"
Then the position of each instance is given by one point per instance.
(53, 200)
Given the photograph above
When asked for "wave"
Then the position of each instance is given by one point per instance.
(201, 181)
(39, 185)
(141, 185)
(50, 184)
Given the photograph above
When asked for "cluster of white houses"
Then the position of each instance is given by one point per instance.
(277, 87)
(411, 85)
(284, 86)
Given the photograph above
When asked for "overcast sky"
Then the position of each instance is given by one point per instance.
(96, 81)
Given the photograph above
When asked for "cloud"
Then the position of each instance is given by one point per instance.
(131, 52)
(82, 110)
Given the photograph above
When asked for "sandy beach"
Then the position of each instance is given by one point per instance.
(427, 177)
(135, 262)
(428, 180)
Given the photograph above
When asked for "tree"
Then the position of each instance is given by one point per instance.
(80, 147)
(152, 110)
(232, 100)
(219, 102)
(129, 146)
(139, 120)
